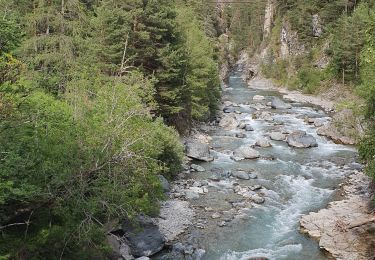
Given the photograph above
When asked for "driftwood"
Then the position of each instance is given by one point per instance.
(358, 224)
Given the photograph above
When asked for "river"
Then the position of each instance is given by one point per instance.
(294, 182)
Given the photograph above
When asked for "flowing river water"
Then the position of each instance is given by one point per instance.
(294, 182)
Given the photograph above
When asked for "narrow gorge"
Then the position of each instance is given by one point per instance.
(187, 129)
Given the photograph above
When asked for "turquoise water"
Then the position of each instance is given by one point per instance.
(296, 182)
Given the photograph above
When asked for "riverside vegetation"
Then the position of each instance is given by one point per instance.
(94, 94)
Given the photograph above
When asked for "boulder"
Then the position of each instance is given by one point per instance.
(143, 236)
(228, 109)
(245, 152)
(198, 151)
(241, 175)
(241, 125)
(143, 258)
(262, 142)
(164, 183)
(248, 128)
(263, 115)
(240, 135)
(300, 139)
(257, 199)
(277, 136)
(197, 168)
(318, 122)
(228, 122)
(191, 195)
(258, 97)
(120, 249)
(277, 103)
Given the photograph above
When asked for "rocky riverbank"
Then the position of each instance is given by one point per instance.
(344, 228)
(249, 177)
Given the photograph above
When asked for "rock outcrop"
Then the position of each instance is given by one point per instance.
(338, 228)
(143, 236)
(198, 151)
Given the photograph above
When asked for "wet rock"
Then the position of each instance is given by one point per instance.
(248, 128)
(240, 135)
(220, 173)
(143, 235)
(277, 103)
(197, 168)
(318, 122)
(228, 109)
(300, 139)
(191, 195)
(198, 151)
(258, 97)
(262, 142)
(222, 224)
(215, 177)
(197, 190)
(255, 187)
(253, 175)
(228, 122)
(356, 166)
(164, 183)
(242, 126)
(277, 136)
(263, 115)
(245, 152)
(257, 199)
(241, 175)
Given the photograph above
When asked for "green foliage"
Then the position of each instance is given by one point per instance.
(202, 71)
(367, 91)
(347, 43)
(246, 25)
(10, 36)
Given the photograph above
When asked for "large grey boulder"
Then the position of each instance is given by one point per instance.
(120, 249)
(198, 151)
(241, 175)
(143, 236)
(262, 142)
(300, 139)
(245, 152)
(277, 103)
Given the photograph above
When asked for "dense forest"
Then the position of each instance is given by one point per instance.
(91, 96)
(95, 94)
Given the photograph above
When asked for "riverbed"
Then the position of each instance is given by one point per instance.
(292, 181)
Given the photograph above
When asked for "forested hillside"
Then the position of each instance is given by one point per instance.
(326, 48)
(92, 94)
